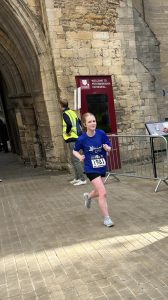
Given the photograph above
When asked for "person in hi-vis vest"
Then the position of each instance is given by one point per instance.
(71, 131)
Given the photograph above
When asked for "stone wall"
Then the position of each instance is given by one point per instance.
(107, 38)
(139, 6)
(63, 39)
(156, 16)
(80, 37)
(100, 39)
(90, 15)
(134, 81)
(148, 54)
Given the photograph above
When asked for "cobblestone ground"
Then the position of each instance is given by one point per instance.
(51, 247)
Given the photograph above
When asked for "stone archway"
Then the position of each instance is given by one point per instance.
(28, 86)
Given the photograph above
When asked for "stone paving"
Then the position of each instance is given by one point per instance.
(51, 247)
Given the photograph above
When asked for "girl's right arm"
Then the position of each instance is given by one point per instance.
(81, 157)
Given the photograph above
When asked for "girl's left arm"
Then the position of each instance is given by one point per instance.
(106, 145)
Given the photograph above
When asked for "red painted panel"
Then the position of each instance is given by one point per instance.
(100, 85)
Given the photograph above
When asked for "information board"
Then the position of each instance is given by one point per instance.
(157, 128)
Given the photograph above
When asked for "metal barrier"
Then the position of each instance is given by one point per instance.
(140, 156)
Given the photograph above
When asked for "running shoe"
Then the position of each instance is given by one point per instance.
(74, 181)
(108, 221)
(87, 200)
(80, 182)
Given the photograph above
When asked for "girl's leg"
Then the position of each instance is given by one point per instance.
(93, 194)
(100, 191)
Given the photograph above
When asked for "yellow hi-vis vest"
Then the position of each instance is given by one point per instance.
(73, 133)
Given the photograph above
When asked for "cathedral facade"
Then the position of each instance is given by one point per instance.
(49, 49)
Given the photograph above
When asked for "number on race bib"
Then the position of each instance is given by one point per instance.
(98, 163)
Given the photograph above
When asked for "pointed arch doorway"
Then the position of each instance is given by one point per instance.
(28, 89)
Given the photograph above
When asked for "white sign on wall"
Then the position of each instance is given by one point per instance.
(77, 98)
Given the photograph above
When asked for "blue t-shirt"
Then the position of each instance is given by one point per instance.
(92, 147)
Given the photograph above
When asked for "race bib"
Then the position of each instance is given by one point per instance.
(98, 162)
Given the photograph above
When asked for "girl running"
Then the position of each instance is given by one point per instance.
(94, 144)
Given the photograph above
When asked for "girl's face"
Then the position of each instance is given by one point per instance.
(90, 123)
